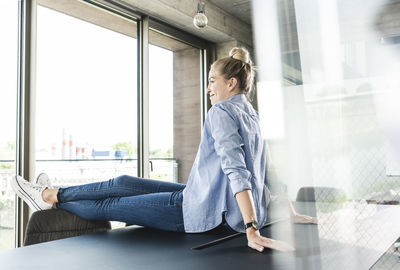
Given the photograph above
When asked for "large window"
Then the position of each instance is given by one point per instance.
(175, 107)
(86, 109)
(8, 109)
(86, 127)
(161, 114)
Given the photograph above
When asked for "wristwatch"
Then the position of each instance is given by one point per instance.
(253, 224)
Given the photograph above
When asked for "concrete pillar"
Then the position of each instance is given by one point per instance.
(187, 110)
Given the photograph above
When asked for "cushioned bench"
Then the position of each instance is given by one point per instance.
(53, 224)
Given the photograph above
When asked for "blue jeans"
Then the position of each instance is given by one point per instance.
(129, 199)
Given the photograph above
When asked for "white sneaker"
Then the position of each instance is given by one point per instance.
(43, 180)
(29, 192)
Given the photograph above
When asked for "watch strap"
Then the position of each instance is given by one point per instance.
(253, 224)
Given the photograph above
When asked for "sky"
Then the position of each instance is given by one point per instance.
(8, 69)
(86, 84)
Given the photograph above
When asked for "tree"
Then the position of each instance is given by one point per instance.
(159, 153)
(128, 146)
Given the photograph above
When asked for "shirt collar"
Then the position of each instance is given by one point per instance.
(238, 97)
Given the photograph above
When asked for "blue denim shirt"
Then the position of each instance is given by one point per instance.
(230, 159)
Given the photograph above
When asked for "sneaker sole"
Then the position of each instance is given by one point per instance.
(23, 194)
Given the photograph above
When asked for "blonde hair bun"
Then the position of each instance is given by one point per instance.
(240, 54)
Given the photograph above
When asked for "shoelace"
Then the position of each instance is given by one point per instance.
(32, 186)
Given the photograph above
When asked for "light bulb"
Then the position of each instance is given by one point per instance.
(200, 20)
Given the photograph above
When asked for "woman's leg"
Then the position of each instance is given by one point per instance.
(161, 210)
(121, 186)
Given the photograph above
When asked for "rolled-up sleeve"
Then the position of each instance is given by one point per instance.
(229, 147)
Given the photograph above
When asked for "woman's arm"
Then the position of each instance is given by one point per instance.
(255, 240)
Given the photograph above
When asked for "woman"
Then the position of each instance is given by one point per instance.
(226, 183)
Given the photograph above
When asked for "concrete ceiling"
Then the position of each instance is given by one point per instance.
(229, 20)
(238, 8)
(222, 25)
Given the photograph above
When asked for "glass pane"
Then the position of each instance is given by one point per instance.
(8, 109)
(175, 112)
(86, 112)
(345, 69)
(86, 100)
(340, 62)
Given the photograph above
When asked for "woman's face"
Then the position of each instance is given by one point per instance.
(219, 88)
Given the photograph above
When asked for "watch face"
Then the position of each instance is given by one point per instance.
(255, 225)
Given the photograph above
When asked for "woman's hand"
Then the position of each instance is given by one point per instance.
(297, 218)
(259, 242)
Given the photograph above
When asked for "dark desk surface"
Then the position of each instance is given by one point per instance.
(350, 236)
